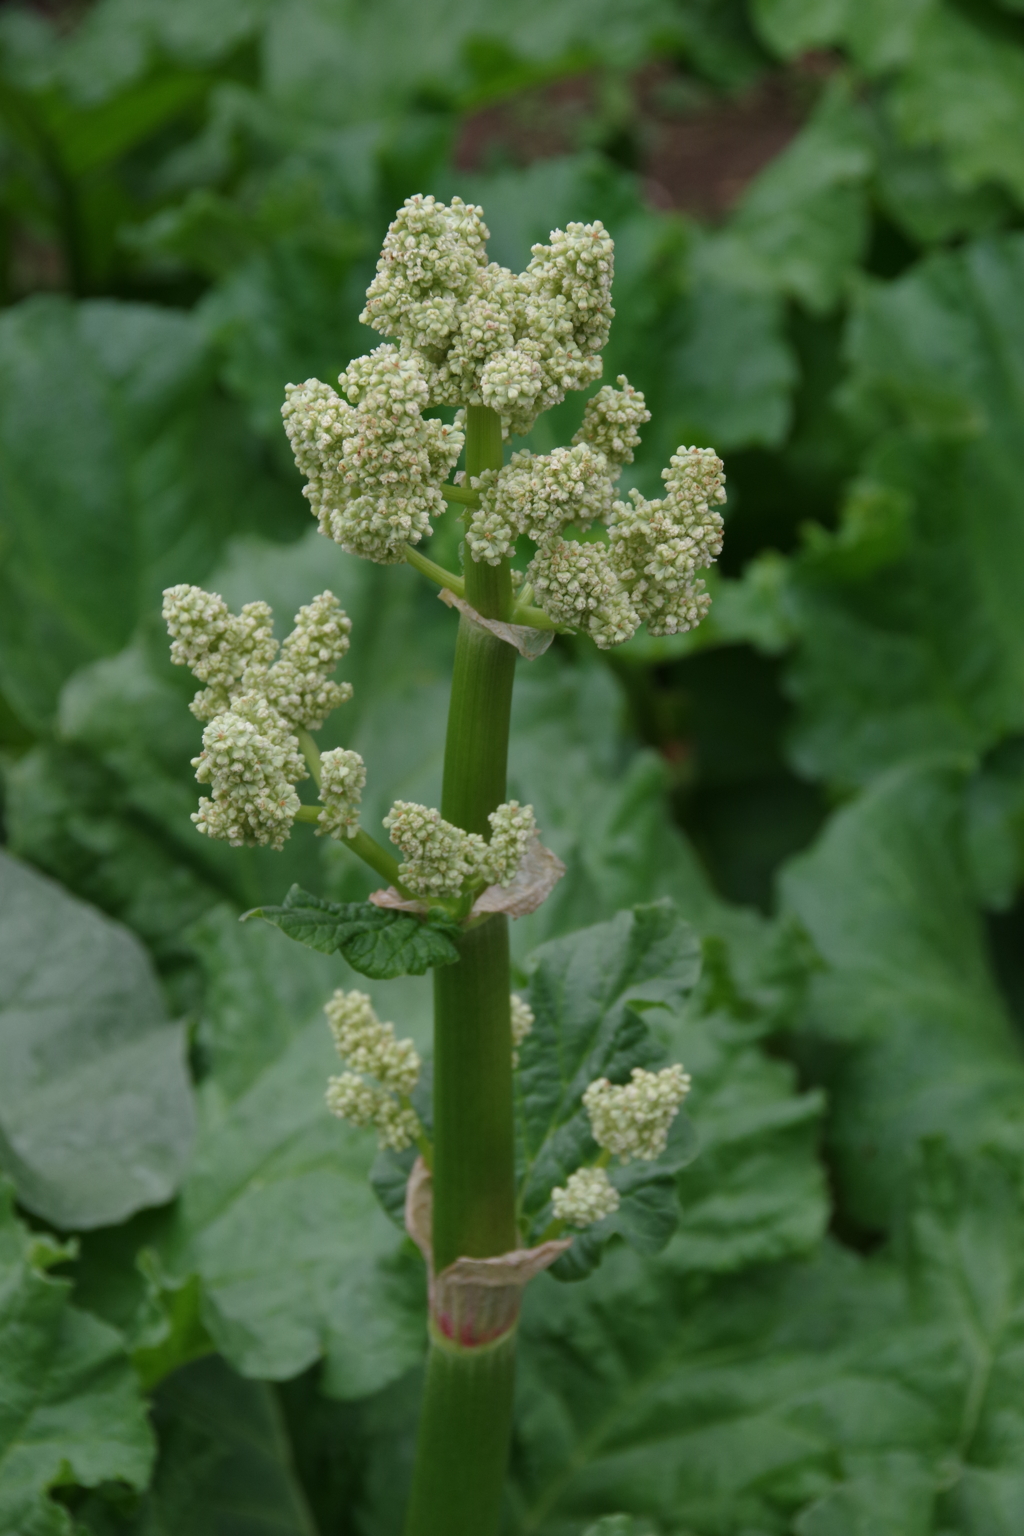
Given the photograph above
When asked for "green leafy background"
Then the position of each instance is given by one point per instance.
(207, 1321)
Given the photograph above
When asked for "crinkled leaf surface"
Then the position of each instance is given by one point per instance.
(882, 673)
(334, 1280)
(96, 1114)
(223, 1468)
(839, 1397)
(924, 1045)
(70, 1406)
(375, 941)
(589, 993)
(757, 1191)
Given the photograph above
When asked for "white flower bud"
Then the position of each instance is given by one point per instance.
(299, 684)
(538, 495)
(513, 828)
(657, 546)
(611, 419)
(486, 331)
(398, 1127)
(430, 258)
(251, 760)
(370, 1048)
(588, 1195)
(577, 585)
(342, 780)
(577, 267)
(362, 1104)
(439, 858)
(351, 1099)
(368, 1045)
(216, 645)
(522, 1024)
(634, 1120)
(373, 467)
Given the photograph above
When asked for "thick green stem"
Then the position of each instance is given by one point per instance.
(463, 1441)
(474, 1191)
(464, 1427)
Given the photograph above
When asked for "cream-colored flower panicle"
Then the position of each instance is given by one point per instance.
(576, 585)
(657, 547)
(342, 781)
(589, 1195)
(441, 861)
(612, 419)
(373, 464)
(371, 1050)
(634, 1120)
(462, 332)
(538, 496)
(255, 705)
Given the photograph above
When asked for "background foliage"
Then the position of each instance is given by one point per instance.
(817, 208)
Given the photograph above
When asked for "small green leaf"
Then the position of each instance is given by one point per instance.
(375, 941)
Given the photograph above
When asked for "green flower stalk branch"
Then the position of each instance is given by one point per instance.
(496, 349)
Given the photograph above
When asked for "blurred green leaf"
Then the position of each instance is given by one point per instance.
(152, 473)
(71, 1410)
(834, 1397)
(96, 1115)
(801, 227)
(882, 673)
(757, 1191)
(269, 1158)
(223, 1467)
(961, 90)
(922, 1042)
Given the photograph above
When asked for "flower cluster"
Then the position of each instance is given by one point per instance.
(612, 419)
(371, 1051)
(342, 781)
(216, 644)
(576, 585)
(657, 547)
(588, 1195)
(463, 332)
(513, 341)
(522, 1024)
(442, 861)
(255, 705)
(634, 1120)
(648, 568)
(538, 497)
(374, 463)
(628, 1121)
(299, 683)
(251, 761)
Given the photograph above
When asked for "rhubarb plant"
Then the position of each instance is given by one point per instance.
(549, 1125)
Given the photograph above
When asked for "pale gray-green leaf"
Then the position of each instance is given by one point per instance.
(96, 1115)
